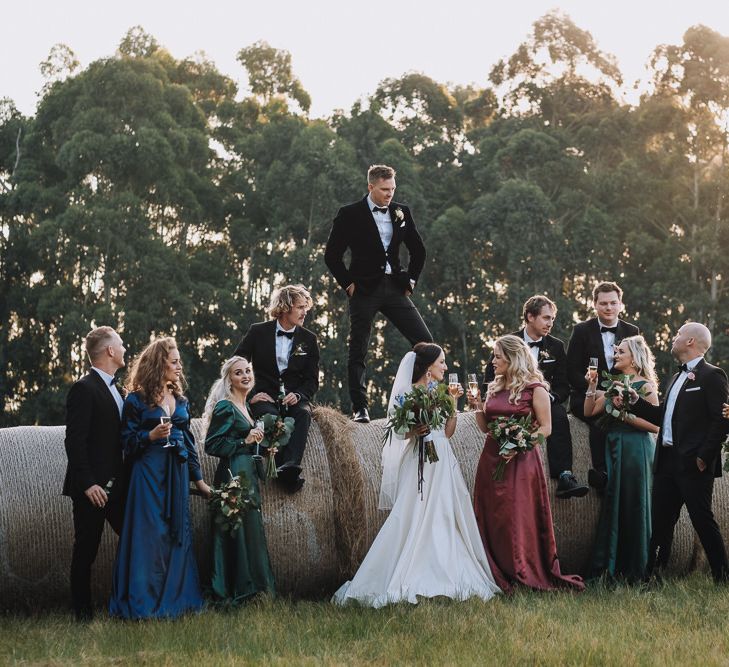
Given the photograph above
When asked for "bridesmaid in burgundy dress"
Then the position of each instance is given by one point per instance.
(513, 514)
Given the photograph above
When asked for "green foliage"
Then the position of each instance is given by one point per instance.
(147, 194)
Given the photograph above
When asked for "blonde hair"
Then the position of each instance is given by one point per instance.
(643, 359)
(284, 298)
(147, 372)
(221, 389)
(97, 340)
(521, 370)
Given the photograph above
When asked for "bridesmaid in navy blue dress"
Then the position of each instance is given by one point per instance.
(155, 574)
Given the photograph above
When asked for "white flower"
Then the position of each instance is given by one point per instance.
(399, 214)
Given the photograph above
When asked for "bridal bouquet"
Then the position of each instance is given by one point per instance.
(424, 405)
(277, 431)
(513, 434)
(616, 385)
(230, 502)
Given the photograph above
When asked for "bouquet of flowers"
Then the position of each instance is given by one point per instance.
(230, 502)
(616, 385)
(513, 434)
(277, 431)
(424, 405)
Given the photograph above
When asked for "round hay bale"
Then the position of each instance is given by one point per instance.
(36, 527)
(575, 519)
(316, 538)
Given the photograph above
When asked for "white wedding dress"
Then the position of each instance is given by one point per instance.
(430, 547)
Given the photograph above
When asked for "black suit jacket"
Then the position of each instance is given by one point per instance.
(552, 364)
(586, 342)
(698, 429)
(302, 374)
(93, 436)
(355, 228)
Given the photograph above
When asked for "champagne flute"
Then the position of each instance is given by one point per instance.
(473, 384)
(166, 419)
(453, 383)
(592, 367)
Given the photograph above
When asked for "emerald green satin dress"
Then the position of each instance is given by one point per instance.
(241, 566)
(624, 529)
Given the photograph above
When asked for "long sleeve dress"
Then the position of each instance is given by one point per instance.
(155, 574)
(241, 564)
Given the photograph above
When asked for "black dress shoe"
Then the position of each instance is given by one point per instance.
(361, 416)
(288, 472)
(597, 479)
(295, 486)
(569, 487)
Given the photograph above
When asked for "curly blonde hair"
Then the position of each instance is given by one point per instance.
(521, 371)
(284, 298)
(221, 389)
(147, 372)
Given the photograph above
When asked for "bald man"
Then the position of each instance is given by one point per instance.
(688, 451)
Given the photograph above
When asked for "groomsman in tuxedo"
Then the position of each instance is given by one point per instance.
(375, 281)
(688, 451)
(95, 478)
(596, 338)
(539, 313)
(285, 359)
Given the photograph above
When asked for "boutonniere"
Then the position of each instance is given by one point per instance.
(690, 375)
(544, 354)
(299, 351)
(400, 216)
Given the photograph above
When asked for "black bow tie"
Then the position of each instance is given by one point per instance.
(611, 330)
(381, 209)
(684, 368)
(535, 343)
(288, 334)
(112, 382)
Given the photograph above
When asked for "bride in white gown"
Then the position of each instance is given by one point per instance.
(429, 547)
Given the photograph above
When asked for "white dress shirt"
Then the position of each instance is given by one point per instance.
(608, 344)
(667, 427)
(534, 351)
(283, 348)
(384, 227)
(111, 387)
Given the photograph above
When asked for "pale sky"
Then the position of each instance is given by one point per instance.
(340, 50)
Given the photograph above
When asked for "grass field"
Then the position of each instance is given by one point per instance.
(683, 622)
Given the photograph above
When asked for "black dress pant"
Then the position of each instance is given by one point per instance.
(293, 452)
(88, 526)
(678, 482)
(559, 443)
(597, 435)
(389, 299)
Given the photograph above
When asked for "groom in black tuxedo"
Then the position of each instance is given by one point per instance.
(95, 476)
(539, 313)
(688, 451)
(375, 281)
(596, 338)
(285, 359)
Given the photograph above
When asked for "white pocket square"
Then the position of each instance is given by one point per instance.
(548, 361)
(693, 389)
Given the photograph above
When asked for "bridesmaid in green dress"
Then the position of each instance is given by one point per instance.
(624, 529)
(241, 565)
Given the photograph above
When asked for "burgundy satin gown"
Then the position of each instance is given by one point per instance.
(514, 515)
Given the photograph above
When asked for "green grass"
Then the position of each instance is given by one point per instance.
(683, 622)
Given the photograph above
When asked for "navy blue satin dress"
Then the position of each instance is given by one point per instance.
(155, 574)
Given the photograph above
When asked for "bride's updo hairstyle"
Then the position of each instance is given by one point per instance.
(521, 368)
(426, 354)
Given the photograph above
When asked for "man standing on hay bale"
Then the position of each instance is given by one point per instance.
(285, 359)
(95, 478)
(373, 229)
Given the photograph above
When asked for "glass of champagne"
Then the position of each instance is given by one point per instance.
(473, 384)
(453, 383)
(592, 367)
(166, 419)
